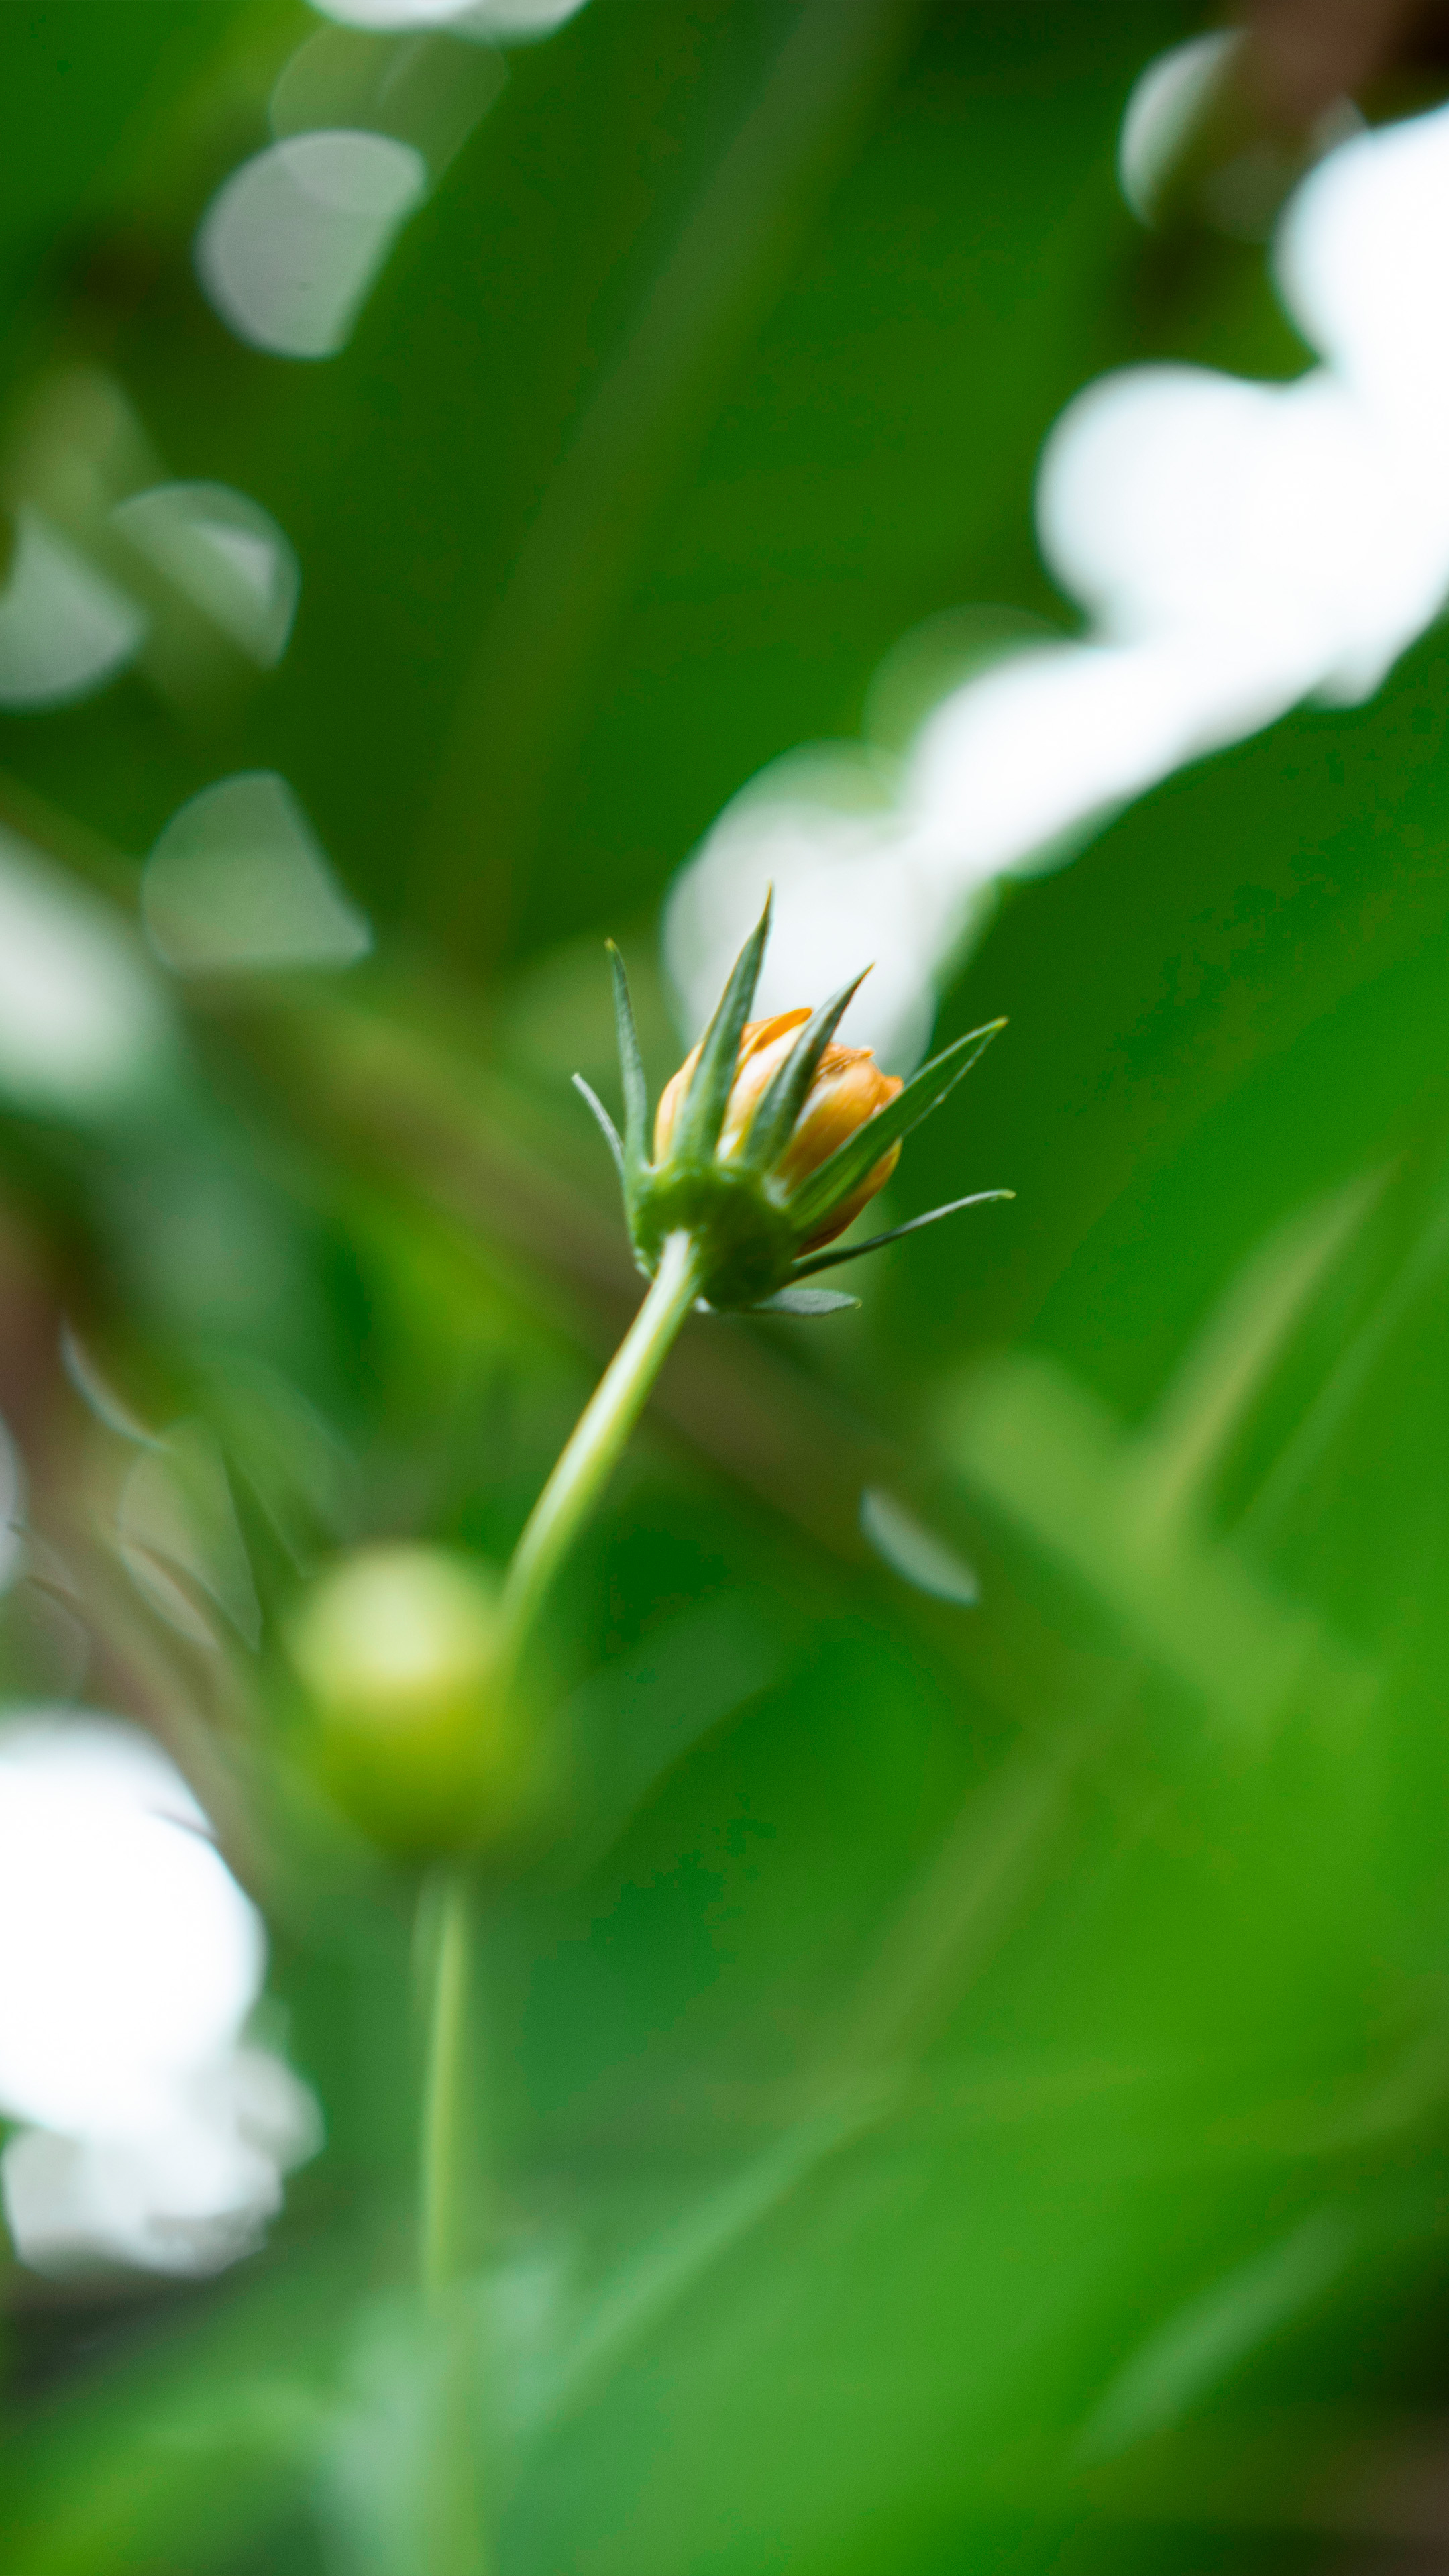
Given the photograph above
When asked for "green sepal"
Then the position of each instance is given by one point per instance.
(803, 1301)
(774, 1120)
(847, 1167)
(852, 1251)
(610, 1132)
(702, 1115)
(631, 1070)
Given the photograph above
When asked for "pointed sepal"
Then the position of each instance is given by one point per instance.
(849, 1165)
(631, 1069)
(611, 1135)
(702, 1116)
(785, 1095)
(803, 1301)
(807, 1268)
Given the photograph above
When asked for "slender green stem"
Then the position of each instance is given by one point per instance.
(458, 2542)
(453, 2528)
(567, 1499)
(441, 2181)
(599, 1437)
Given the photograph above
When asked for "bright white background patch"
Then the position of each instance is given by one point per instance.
(82, 1022)
(131, 1960)
(1238, 547)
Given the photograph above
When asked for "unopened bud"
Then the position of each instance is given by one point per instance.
(769, 1140)
(418, 1736)
(847, 1088)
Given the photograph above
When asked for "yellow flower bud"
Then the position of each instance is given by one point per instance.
(767, 1143)
(399, 1649)
(849, 1087)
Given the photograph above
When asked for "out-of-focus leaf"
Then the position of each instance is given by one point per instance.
(1197, 2348)
(1204, 1407)
(1049, 1455)
(196, 2449)
(640, 1715)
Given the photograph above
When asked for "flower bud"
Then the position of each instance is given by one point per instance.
(767, 1142)
(417, 1736)
(847, 1088)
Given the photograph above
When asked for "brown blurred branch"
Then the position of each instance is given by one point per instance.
(1307, 53)
(1346, 2473)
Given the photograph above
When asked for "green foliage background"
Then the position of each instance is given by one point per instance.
(973, 2091)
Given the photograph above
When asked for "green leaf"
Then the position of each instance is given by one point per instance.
(644, 1711)
(913, 1224)
(195, 2450)
(785, 1094)
(631, 1066)
(670, 2264)
(1214, 2334)
(849, 1164)
(702, 1116)
(612, 1137)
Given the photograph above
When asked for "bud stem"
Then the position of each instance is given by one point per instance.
(584, 1469)
(448, 1899)
(455, 2535)
(599, 1437)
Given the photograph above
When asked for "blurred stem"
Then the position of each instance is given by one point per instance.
(458, 2537)
(443, 2148)
(454, 2532)
(567, 1499)
(599, 1437)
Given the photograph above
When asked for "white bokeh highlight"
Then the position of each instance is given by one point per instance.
(225, 554)
(154, 2135)
(518, 20)
(1237, 548)
(112, 568)
(1167, 101)
(12, 1510)
(65, 628)
(83, 1025)
(423, 87)
(238, 883)
(393, 16)
(293, 240)
(191, 2195)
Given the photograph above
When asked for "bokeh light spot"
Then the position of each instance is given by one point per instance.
(238, 883)
(82, 1023)
(225, 554)
(65, 629)
(291, 244)
(425, 89)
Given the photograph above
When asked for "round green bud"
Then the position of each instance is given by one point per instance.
(417, 1735)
